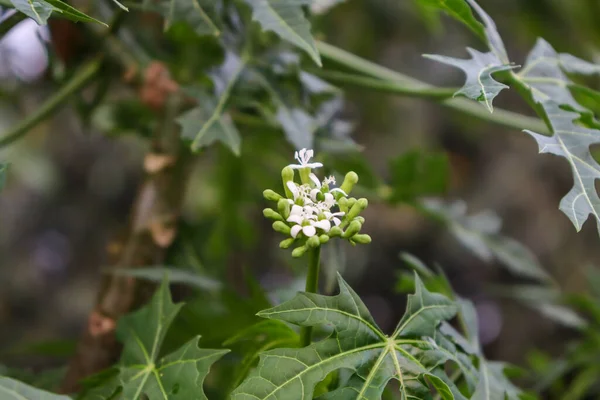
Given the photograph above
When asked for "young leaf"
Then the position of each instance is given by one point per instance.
(479, 85)
(178, 375)
(286, 19)
(493, 384)
(460, 11)
(208, 122)
(11, 389)
(358, 344)
(70, 12)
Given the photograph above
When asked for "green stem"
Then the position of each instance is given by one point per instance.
(78, 81)
(500, 117)
(312, 285)
(385, 86)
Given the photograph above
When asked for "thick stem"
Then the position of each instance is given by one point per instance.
(500, 117)
(312, 286)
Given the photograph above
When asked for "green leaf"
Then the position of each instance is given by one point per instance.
(179, 375)
(479, 85)
(172, 274)
(416, 174)
(193, 12)
(208, 122)
(71, 13)
(286, 18)
(11, 389)
(260, 337)
(38, 10)
(480, 233)
(459, 10)
(358, 344)
(493, 384)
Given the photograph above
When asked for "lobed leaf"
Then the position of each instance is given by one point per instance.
(40, 10)
(460, 11)
(141, 372)
(286, 19)
(193, 12)
(357, 344)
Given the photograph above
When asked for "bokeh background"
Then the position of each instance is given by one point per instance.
(71, 185)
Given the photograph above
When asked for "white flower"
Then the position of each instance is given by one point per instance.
(334, 217)
(23, 53)
(303, 158)
(299, 192)
(305, 220)
(329, 180)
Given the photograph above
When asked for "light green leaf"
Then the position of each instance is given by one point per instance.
(459, 10)
(479, 85)
(11, 389)
(208, 122)
(178, 375)
(192, 12)
(410, 355)
(38, 10)
(286, 19)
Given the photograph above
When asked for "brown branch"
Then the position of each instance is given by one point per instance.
(152, 229)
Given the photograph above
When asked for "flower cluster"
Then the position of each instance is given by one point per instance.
(313, 211)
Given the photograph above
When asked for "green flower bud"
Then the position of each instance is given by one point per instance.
(313, 242)
(272, 214)
(271, 195)
(299, 251)
(352, 229)
(335, 231)
(361, 238)
(287, 174)
(324, 239)
(351, 202)
(357, 208)
(304, 175)
(360, 219)
(284, 244)
(281, 227)
(350, 180)
(343, 204)
(283, 206)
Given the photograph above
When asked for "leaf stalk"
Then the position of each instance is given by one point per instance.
(312, 286)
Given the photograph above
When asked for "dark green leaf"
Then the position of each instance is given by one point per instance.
(11, 389)
(493, 384)
(286, 19)
(417, 174)
(70, 12)
(357, 344)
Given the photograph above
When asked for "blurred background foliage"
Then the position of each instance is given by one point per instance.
(71, 183)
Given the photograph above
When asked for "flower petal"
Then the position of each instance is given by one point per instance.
(338, 190)
(295, 230)
(309, 230)
(315, 180)
(336, 221)
(297, 219)
(313, 165)
(314, 193)
(296, 210)
(293, 188)
(323, 224)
